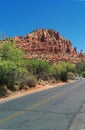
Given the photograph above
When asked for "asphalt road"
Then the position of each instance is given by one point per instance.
(60, 108)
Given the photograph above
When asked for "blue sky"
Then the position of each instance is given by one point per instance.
(19, 17)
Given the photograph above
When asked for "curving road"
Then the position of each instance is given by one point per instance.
(61, 108)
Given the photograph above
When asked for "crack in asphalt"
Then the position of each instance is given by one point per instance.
(76, 113)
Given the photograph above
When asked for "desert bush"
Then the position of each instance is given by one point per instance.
(11, 67)
(3, 90)
(10, 52)
(38, 68)
(70, 75)
(60, 70)
(7, 73)
(83, 74)
(80, 68)
(10, 74)
(29, 81)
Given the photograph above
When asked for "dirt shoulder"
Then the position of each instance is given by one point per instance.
(33, 90)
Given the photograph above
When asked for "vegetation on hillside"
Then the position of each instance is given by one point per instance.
(17, 73)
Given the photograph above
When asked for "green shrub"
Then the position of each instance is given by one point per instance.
(10, 52)
(28, 81)
(60, 70)
(70, 75)
(10, 74)
(83, 74)
(3, 91)
(38, 68)
(7, 73)
(31, 82)
(80, 67)
(56, 71)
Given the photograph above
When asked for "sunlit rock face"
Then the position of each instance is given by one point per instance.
(48, 45)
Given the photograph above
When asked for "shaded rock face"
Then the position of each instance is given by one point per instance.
(48, 45)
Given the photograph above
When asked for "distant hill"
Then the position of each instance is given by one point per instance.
(48, 45)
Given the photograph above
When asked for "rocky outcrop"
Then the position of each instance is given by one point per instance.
(46, 41)
(48, 45)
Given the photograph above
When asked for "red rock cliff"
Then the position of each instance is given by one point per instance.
(47, 45)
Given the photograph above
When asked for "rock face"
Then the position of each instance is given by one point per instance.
(48, 45)
(44, 41)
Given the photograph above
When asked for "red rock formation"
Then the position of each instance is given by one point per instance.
(48, 45)
(44, 40)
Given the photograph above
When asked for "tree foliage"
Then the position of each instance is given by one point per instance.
(60, 70)
(8, 73)
(10, 63)
(80, 69)
(10, 52)
(38, 68)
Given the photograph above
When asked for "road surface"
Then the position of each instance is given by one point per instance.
(60, 108)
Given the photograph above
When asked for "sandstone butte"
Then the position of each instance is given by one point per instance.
(48, 45)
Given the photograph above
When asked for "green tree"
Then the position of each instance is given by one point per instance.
(38, 68)
(10, 52)
(10, 74)
(7, 73)
(11, 67)
(60, 70)
(80, 67)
